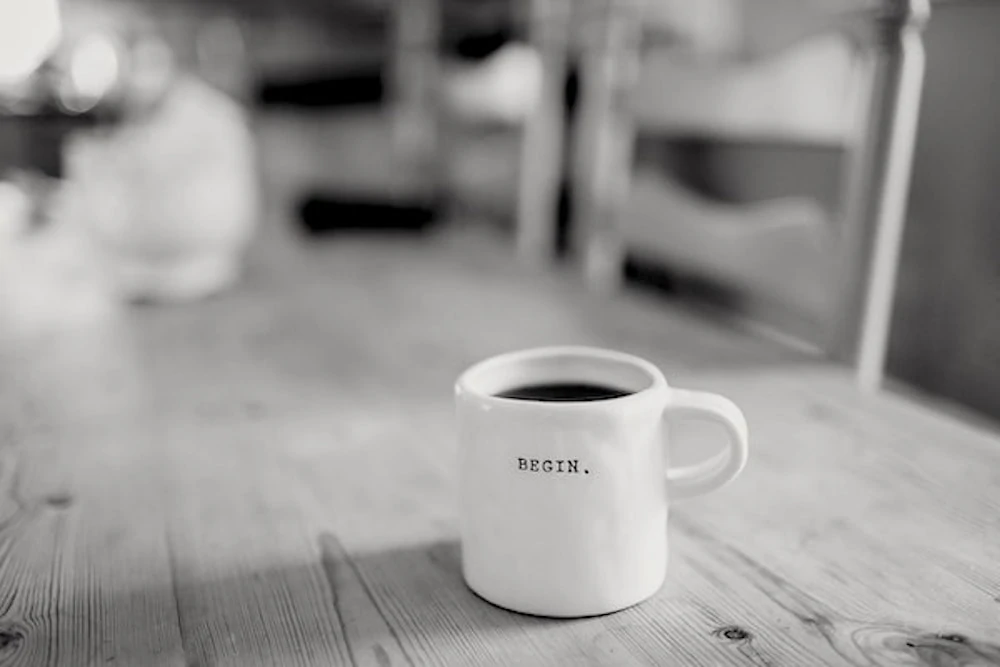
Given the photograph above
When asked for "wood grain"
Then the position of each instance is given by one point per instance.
(266, 478)
(84, 575)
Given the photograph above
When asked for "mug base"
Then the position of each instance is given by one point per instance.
(528, 610)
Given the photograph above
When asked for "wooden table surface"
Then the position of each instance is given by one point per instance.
(268, 478)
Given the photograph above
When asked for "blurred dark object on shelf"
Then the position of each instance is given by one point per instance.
(36, 116)
(366, 83)
(327, 213)
(33, 141)
(480, 45)
(95, 74)
(329, 89)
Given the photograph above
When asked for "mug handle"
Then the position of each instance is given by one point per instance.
(713, 473)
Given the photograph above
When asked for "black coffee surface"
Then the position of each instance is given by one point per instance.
(564, 391)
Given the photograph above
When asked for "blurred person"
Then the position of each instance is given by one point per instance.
(168, 187)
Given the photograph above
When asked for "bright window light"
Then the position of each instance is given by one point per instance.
(29, 31)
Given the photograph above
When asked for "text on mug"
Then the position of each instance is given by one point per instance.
(565, 466)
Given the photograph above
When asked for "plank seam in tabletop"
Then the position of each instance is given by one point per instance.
(333, 557)
(329, 571)
(186, 646)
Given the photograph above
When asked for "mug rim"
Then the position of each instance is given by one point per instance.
(657, 382)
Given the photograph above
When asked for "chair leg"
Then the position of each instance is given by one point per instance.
(862, 335)
(415, 75)
(541, 166)
(604, 140)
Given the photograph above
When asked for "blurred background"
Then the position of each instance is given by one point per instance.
(147, 145)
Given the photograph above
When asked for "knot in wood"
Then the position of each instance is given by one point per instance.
(59, 501)
(733, 633)
(10, 639)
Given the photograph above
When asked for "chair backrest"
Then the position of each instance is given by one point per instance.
(808, 93)
(864, 101)
(763, 87)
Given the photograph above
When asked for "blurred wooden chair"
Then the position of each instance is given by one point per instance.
(414, 80)
(542, 167)
(834, 269)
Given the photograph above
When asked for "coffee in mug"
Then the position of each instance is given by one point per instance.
(564, 391)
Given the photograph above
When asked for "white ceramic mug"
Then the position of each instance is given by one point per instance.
(564, 503)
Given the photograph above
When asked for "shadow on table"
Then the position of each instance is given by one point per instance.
(409, 605)
(415, 575)
(403, 605)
